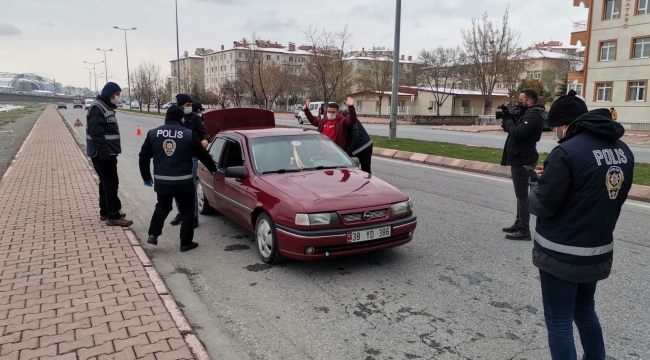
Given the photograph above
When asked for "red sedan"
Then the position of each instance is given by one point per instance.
(297, 191)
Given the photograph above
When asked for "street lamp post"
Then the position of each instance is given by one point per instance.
(178, 54)
(90, 81)
(128, 74)
(94, 70)
(392, 133)
(105, 64)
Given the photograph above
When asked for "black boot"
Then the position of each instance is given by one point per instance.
(153, 240)
(177, 220)
(523, 234)
(513, 228)
(189, 247)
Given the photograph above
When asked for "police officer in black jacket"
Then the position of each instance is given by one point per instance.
(172, 148)
(521, 150)
(577, 201)
(359, 144)
(103, 146)
(194, 122)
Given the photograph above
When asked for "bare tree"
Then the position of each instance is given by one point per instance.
(234, 91)
(326, 68)
(376, 77)
(440, 72)
(490, 49)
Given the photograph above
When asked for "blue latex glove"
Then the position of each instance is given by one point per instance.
(148, 183)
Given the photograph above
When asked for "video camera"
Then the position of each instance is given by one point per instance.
(513, 109)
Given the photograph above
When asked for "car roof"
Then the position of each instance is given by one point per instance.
(267, 132)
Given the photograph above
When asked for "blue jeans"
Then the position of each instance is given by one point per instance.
(565, 303)
(195, 165)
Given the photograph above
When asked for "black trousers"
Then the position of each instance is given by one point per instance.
(520, 179)
(365, 157)
(185, 208)
(109, 203)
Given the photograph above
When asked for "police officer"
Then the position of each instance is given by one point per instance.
(103, 146)
(194, 122)
(172, 147)
(577, 201)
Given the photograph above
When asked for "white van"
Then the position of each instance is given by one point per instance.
(313, 107)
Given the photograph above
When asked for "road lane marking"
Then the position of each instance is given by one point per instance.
(494, 178)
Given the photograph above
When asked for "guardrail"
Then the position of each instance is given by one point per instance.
(636, 126)
(489, 120)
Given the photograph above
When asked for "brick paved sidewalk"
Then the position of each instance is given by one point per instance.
(70, 286)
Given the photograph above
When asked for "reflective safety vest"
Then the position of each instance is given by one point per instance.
(111, 131)
(582, 232)
(172, 154)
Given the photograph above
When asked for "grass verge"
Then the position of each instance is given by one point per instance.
(14, 115)
(484, 154)
(144, 112)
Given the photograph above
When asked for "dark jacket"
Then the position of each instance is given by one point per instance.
(579, 197)
(102, 131)
(178, 161)
(342, 125)
(194, 122)
(358, 140)
(523, 135)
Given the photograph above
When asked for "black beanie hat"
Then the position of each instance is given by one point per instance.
(566, 109)
(197, 106)
(174, 113)
(182, 99)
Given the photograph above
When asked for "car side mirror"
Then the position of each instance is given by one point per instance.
(357, 161)
(237, 172)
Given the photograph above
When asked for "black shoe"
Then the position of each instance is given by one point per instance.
(522, 234)
(177, 220)
(153, 240)
(196, 222)
(513, 228)
(193, 245)
(104, 217)
(119, 222)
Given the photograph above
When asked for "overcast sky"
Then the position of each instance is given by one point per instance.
(52, 38)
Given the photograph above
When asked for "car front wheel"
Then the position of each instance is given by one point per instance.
(300, 120)
(203, 205)
(267, 243)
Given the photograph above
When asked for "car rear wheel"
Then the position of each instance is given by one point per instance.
(300, 120)
(204, 207)
(267, 242)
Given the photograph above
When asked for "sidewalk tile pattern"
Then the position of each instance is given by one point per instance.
(70, 286)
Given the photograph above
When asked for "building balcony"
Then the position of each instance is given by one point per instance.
(576, 3)
(579, 33)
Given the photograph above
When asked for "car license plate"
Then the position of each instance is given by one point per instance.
(370, 234)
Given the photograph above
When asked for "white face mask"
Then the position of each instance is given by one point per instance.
(331, 116)
(114, 101)
(187, 110)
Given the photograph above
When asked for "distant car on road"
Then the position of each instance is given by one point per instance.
(135, 105)
(62, 105)
(168, 105)
(87, 103)
(297, 111)
(77, 104)
(313, 107)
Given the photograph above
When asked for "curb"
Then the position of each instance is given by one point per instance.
(637, 192)
(161, 116)
(189, 336)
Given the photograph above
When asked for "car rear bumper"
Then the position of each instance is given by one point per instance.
(293, 243)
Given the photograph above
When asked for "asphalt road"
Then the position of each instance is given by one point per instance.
(421, 132)
(457, 291)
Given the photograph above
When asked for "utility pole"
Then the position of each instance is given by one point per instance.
(178, 54)
(90, 81)
(94, 70)
(105, 64)
(128, 74)
(392, 133)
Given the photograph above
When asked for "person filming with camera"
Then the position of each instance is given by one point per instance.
(524, 124)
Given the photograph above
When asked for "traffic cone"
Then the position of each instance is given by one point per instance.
(138, 132)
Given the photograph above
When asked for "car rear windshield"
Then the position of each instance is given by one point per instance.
(296, 153)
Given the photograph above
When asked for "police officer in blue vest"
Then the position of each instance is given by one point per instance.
(172, 147)
(577, 201)
(103, 146)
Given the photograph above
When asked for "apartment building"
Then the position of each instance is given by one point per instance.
(191, 71)
(221, 66)
(616, 69)
(364, 59)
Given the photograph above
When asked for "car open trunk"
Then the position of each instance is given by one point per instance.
(237, 119)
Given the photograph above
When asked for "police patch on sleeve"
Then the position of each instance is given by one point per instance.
(614, 181)
(170, 146)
